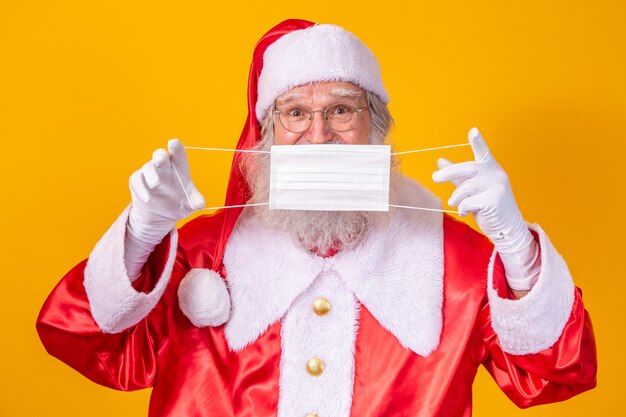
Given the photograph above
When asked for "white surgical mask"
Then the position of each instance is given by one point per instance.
(330, 177)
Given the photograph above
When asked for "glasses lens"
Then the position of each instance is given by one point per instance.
(295, 119)
(341, 117)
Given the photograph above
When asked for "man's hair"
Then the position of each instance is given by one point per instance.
(382, 122)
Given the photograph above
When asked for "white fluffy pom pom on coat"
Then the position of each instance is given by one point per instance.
(204, 298)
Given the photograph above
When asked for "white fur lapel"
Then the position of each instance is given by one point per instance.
(265, 272)
(396, 271)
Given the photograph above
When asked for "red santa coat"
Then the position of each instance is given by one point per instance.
(416, 307)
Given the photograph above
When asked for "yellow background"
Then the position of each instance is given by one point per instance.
(89, 88)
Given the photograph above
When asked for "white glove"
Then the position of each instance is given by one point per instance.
(158, 202)
(483, 189)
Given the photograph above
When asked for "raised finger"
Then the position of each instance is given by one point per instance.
(443, 163)
(460, 171)
(479, 147)
(179, 156)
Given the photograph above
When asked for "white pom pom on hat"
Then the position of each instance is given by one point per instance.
(318, 53)
(204, 298)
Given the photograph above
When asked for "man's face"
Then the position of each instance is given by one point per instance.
(319, 230)
(318, 96)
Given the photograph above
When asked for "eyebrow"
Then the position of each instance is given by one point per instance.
(290, 97)
(337, 92)
(346, 92)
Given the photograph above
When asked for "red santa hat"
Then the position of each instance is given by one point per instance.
(317, 53)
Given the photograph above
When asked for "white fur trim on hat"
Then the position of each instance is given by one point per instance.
(203, 298)
(317, 53)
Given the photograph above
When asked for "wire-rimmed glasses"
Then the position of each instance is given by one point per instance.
(339, 117)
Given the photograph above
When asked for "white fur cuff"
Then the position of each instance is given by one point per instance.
(115, 304)
(536, 321)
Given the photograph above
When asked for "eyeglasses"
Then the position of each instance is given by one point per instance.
(338, 117)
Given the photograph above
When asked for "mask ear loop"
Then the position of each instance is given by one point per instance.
(266, 204)
(197, 148)
(431, 149)
(424, 209)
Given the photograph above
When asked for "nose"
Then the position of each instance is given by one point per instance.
(319, 132)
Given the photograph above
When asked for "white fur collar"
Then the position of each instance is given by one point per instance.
(395, 271)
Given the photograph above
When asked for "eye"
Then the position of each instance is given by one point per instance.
(294, 112)
(340, 109)
(340, 112)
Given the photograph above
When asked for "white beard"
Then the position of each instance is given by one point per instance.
(318, 231)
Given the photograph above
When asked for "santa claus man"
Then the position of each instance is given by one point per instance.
(321, 310)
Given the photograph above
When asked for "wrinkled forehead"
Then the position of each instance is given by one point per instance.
(322, 91)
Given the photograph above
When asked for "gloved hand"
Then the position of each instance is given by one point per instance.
(158, 202)
(483, 189)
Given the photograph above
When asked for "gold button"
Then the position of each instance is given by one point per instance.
(315, 366)
(321, 306)
(311, 415)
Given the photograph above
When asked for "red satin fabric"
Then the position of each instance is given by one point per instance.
(195, 374)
